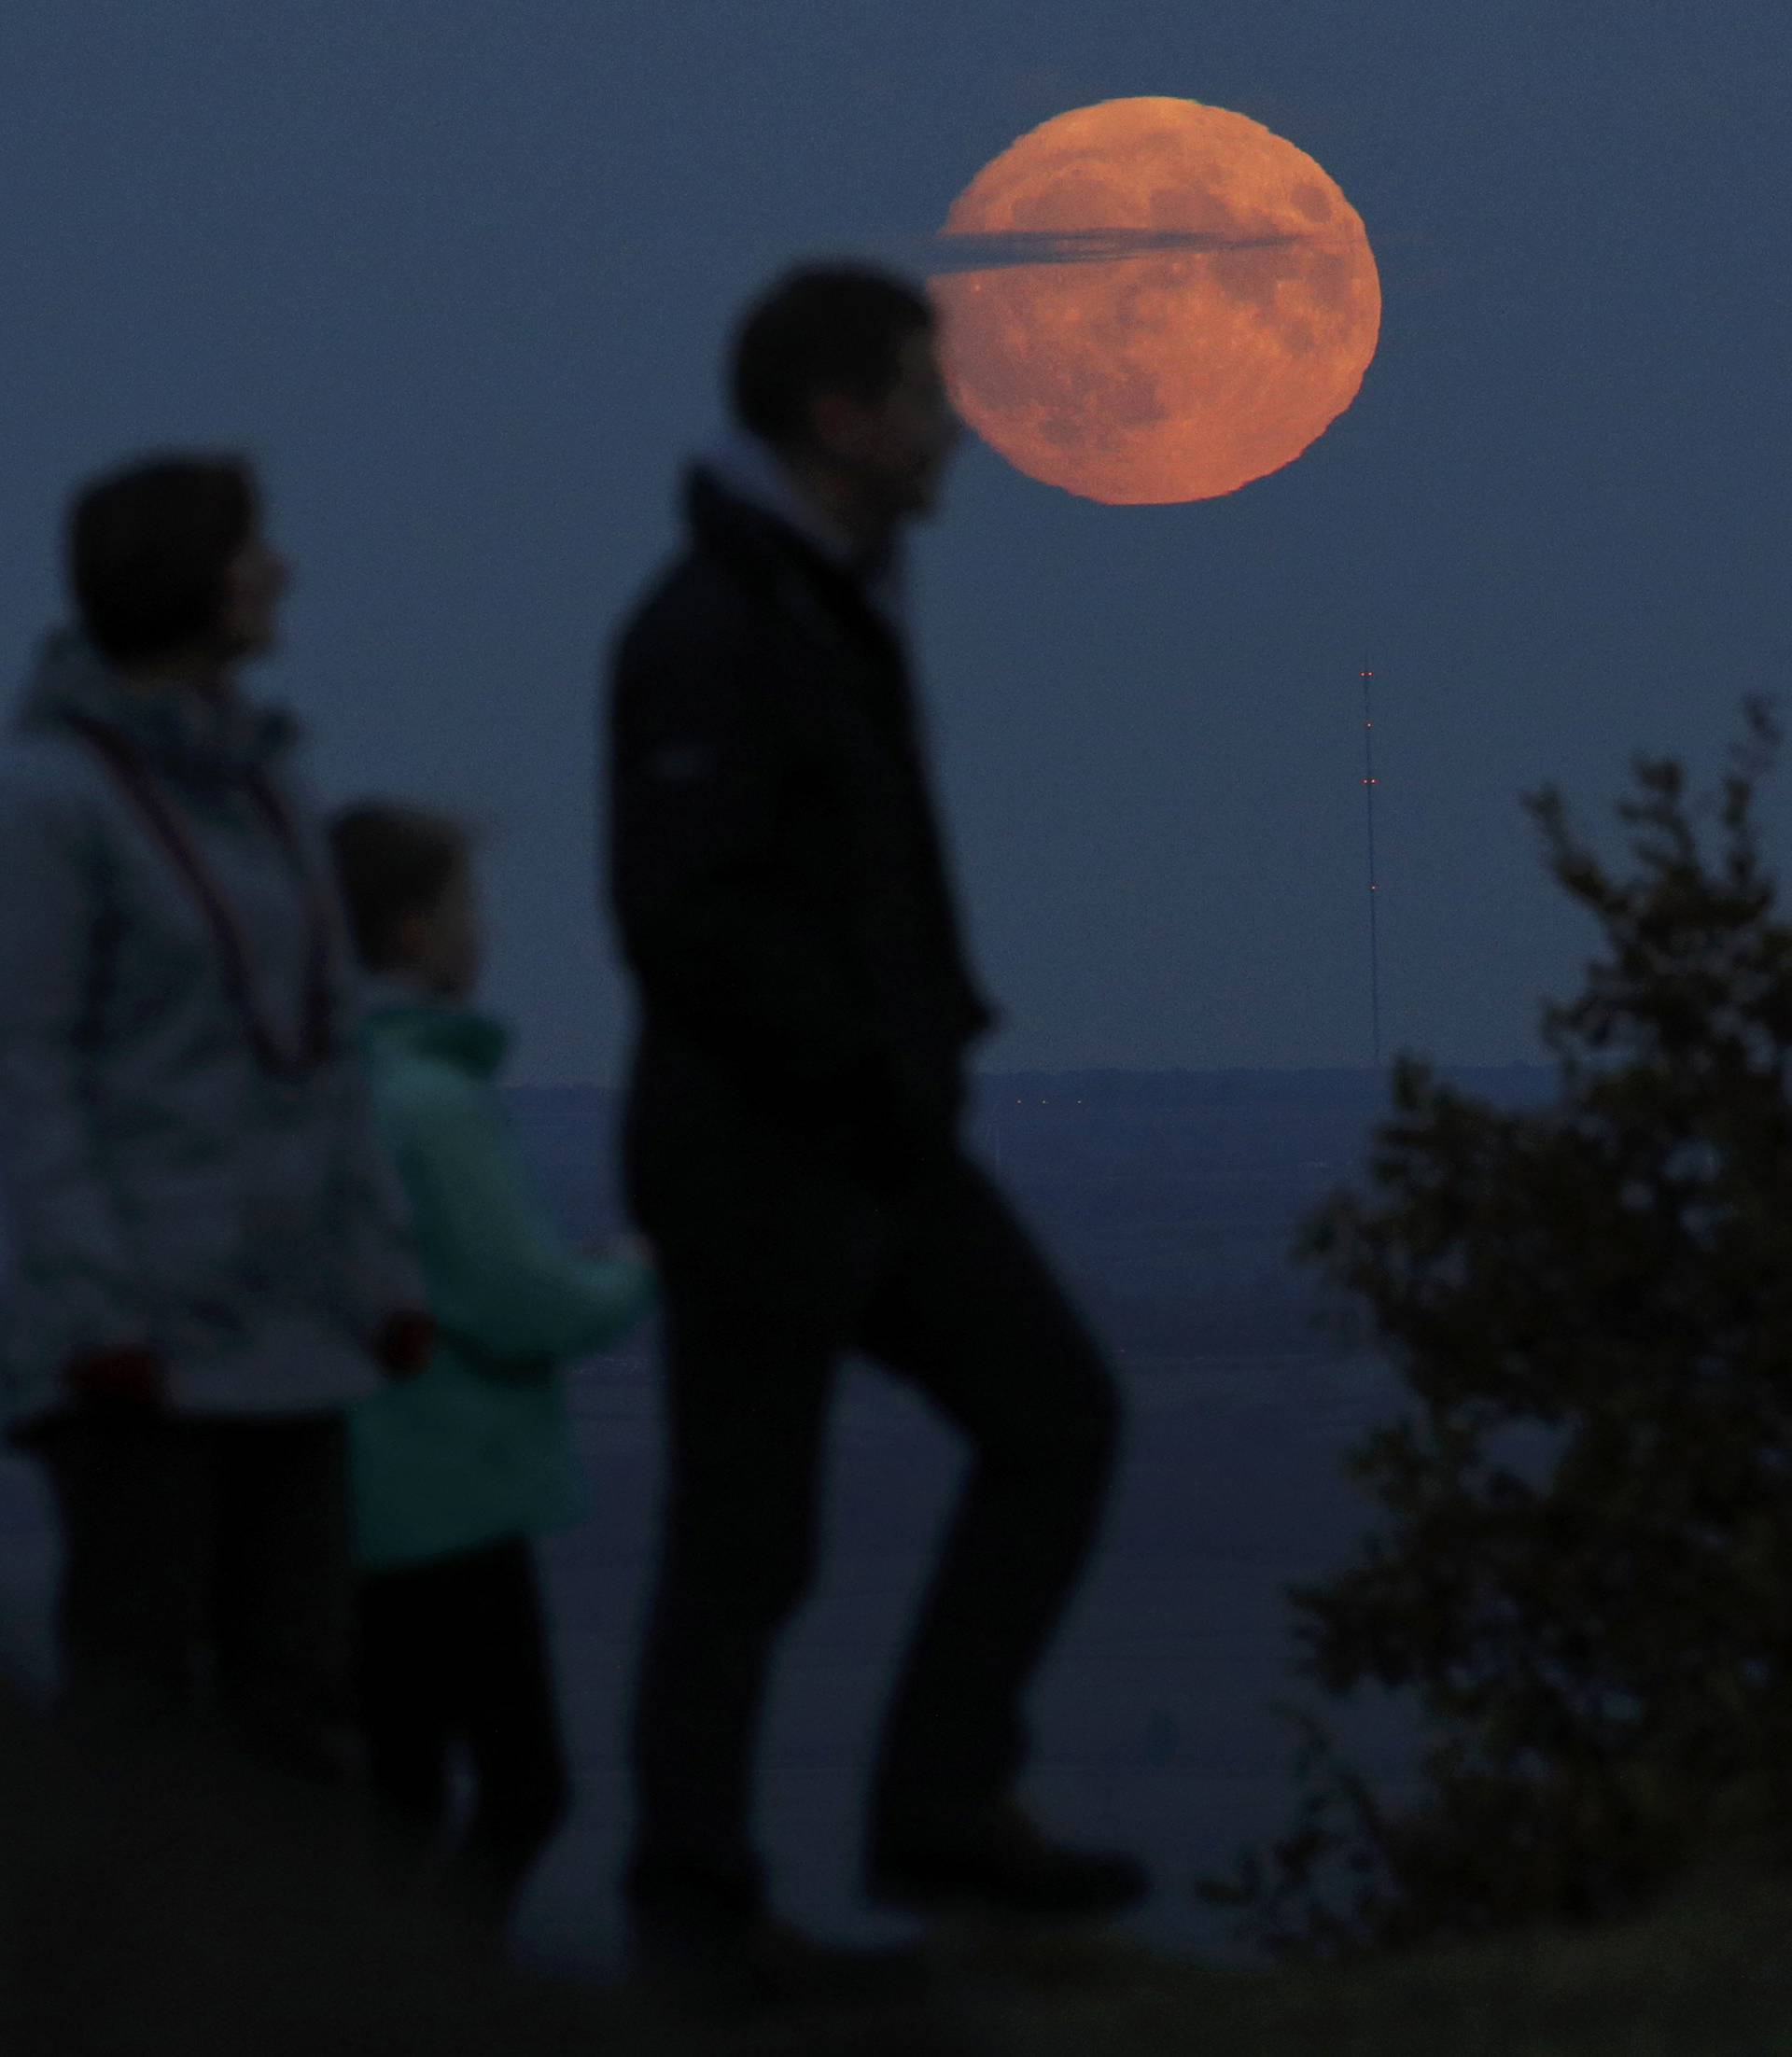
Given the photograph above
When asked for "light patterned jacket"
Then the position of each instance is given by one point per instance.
(162, 1184)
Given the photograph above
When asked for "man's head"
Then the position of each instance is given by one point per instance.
(836, 368)
(166, 562)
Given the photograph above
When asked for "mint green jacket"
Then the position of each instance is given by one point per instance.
(478, 1446)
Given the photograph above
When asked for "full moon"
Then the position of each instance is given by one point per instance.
(1173, 373)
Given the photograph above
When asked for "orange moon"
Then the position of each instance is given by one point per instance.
(1174, 374)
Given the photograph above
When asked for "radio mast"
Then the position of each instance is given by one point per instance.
(1367, 678)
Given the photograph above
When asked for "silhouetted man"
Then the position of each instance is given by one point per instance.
(791, 1147)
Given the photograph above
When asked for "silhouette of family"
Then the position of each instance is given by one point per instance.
(289, 1322)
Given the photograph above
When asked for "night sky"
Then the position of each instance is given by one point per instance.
(460, 275)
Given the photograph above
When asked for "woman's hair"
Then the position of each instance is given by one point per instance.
(148, 548)
(825, 328)
(393, 861)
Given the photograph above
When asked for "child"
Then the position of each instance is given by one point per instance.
(453, 1471)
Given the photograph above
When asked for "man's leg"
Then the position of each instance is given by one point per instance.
(285, 1590)
(133, 1500)
(762, 1260)
(970, 1313)
(747, 1409)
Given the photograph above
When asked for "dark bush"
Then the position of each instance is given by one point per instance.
(1598, 1637)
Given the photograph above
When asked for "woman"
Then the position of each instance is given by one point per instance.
(211, 1260)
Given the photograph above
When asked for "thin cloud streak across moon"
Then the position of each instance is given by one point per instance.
(968, 252)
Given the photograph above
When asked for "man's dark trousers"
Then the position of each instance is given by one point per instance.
(774, 1265)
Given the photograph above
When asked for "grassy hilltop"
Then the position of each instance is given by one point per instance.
(159, 1909)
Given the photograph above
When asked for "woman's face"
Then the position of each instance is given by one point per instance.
(254, 581)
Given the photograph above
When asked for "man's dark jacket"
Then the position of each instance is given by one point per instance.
(776, 869)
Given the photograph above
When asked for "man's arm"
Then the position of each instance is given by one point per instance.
(698, 774)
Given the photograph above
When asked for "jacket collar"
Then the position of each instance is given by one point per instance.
(400, 1017)
(740, 483)
(749, 472)
(198, 742)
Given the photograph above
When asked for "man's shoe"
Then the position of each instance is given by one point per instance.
(722, 1968)
(994, 1858)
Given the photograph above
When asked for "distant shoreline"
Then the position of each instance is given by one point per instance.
(1183, 1087)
